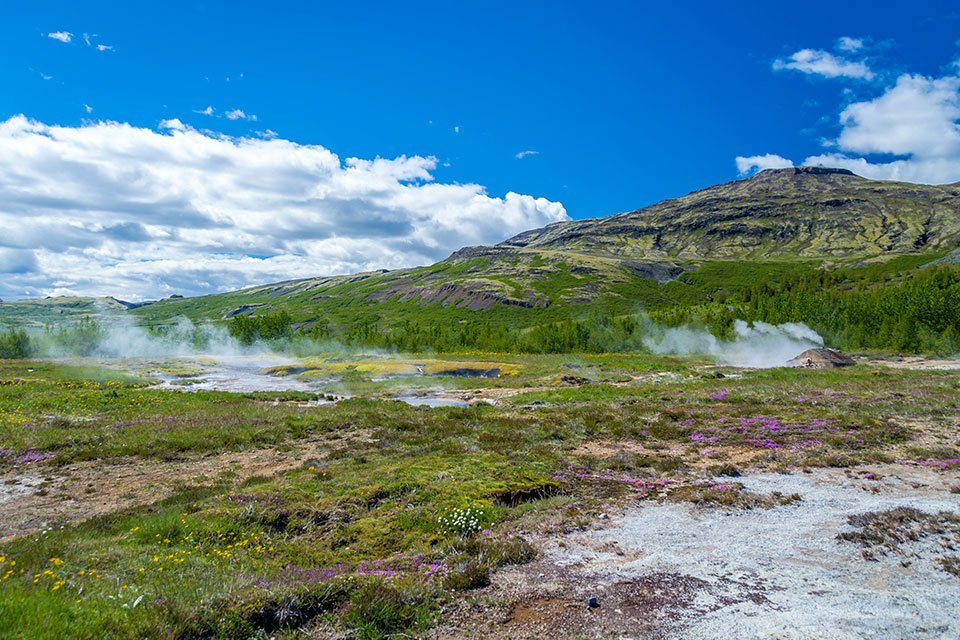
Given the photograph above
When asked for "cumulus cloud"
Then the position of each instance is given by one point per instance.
(917, 116)
(62, 36)
(528, 152)
(916, 119)
(749, 164)
(824, 63)
(909, 132)
(109, 208)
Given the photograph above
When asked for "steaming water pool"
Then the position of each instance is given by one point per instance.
(237, 374)
(250, 373)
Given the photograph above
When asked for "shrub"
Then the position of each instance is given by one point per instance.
(16, 343)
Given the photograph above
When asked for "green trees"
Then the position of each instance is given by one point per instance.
(269, 326)
(870, 307)
(917, 311)
(16, 343)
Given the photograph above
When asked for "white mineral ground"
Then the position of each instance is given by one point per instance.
(763, 573)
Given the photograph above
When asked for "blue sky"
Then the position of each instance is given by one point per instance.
(618, 104)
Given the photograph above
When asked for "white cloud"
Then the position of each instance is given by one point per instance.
(239, 114)
(104, 47)
(524, 154)
(914, 123)
(206, 112)
(747, 164)
(109, 208)
(846, 43)
(917, 116)
(173, 124)
(88, 108)
(456, 129)
(62, 36)
(823, 63)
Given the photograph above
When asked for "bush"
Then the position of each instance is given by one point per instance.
(16, 343)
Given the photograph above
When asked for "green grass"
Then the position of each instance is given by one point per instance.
(359, 537)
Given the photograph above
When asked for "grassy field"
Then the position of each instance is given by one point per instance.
(401, 510)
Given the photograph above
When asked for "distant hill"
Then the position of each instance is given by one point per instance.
(54, 310)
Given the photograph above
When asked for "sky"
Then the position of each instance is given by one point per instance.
(198, 147)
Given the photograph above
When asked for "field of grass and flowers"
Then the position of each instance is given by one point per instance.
(407, 508)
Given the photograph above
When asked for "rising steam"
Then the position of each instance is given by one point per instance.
(121, 337)
(759, 345)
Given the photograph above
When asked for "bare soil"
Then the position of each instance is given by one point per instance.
(36, 499)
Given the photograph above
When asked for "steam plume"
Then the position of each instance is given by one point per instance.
(759, 345)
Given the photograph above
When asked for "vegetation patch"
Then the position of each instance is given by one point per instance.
(897, 531)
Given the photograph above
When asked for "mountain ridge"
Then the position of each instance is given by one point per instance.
(800, 211)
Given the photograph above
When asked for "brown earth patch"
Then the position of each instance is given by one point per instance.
(605, 449)
(41, 497)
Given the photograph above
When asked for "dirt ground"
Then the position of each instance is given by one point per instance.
(667, 570)
(914, 362)
(33, 500)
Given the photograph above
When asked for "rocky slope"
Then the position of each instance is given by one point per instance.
(797, 212)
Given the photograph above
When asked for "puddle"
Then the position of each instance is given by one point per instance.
(432, 400)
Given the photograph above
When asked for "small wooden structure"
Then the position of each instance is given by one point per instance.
(822, 358)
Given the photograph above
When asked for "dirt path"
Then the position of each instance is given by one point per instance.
(667, 570)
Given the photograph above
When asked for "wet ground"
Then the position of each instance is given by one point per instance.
(255, 373)
(239, 374)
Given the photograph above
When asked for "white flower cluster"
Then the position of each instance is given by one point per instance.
(463, 520)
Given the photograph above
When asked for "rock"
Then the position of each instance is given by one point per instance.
(593, 602)
(822, 359)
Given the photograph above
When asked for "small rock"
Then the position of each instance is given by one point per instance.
(603, 516)
(593, 602)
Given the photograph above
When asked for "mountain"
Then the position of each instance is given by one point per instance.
(776, 224)
(679, 253)
(797, 212)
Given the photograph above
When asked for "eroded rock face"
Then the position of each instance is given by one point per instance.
(471, 295)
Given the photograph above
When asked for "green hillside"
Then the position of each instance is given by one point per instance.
(59, 309)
